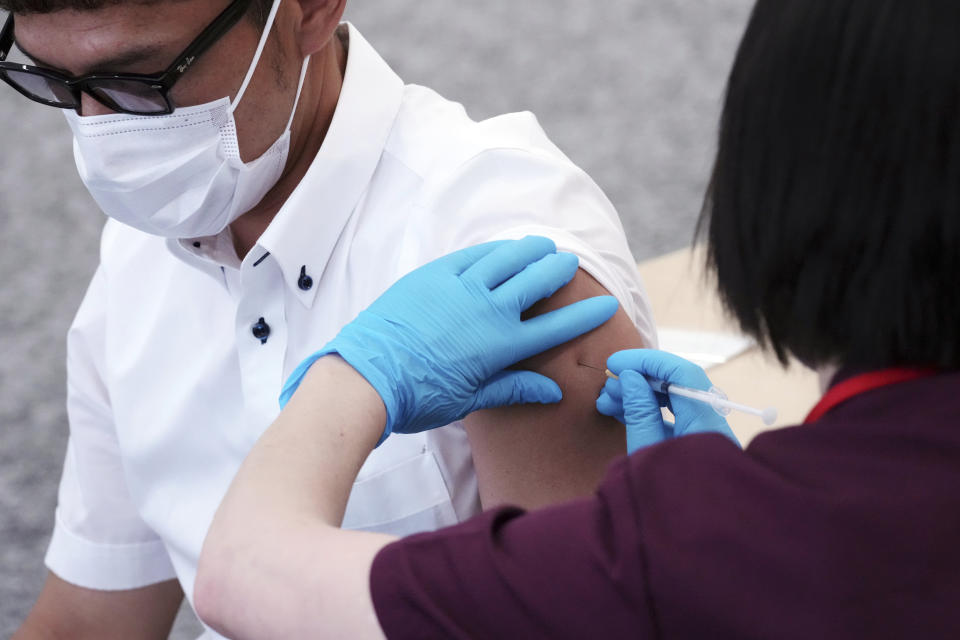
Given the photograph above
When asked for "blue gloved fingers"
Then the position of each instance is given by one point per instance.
(562, 325)
(661, 366)
(539, 280)
(609, 406)
(691, 416)
(613, 388)
(459, 261)
(641, 412)
(509, 259)
(517, 387)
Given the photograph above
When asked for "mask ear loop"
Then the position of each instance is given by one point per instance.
(256, 56)
(296, 101)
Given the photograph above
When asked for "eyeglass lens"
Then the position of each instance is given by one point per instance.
(128, 95)
(44, 88)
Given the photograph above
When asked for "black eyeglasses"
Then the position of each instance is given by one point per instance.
(136, 94)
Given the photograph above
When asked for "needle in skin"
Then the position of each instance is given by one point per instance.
(714, 398)
(590, 366)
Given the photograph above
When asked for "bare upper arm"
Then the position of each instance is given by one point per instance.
(534, 455)
(64, 610)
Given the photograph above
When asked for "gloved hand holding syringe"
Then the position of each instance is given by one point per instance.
(716, 398)
(641, 381)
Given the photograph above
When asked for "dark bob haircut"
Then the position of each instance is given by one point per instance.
(259, 10)
(833, 214)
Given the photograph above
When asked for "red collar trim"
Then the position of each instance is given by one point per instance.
(843, 391)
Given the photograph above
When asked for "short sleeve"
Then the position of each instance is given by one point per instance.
(507, 193)
(99, 541)
(496, 576)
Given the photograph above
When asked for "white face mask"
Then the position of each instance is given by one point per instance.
(179, 175)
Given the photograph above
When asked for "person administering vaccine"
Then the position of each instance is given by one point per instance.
(833, 230)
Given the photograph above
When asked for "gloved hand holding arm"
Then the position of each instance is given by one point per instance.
(632, 400)
(435, 346)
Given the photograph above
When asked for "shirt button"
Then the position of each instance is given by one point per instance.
(305, 282)
(260, 331)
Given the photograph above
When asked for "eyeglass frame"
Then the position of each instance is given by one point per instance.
(162, 82)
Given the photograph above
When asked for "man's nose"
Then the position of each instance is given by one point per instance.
(91, 107)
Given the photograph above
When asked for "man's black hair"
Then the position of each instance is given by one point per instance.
(259, 9)
(833, 215)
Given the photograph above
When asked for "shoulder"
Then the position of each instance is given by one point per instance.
(702, 484)
(433, 135)
(683, 471)
(499, 158)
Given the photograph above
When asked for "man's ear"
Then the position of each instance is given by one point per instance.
(318, 23)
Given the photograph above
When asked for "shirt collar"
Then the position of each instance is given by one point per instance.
(302, 236)
(304, 233)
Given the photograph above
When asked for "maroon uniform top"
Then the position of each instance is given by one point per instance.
(845, 528)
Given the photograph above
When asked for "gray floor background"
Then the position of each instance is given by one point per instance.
(630, 89)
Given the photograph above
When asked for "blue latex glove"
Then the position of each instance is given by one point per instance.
(436, 344)
(633, 401)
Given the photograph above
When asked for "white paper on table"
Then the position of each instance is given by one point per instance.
(706, 348)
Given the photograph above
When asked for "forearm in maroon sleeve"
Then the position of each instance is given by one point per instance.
(571, 571)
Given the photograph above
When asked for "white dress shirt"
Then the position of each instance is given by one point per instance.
(169, 388)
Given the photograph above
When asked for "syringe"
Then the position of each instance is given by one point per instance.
(716, 398)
